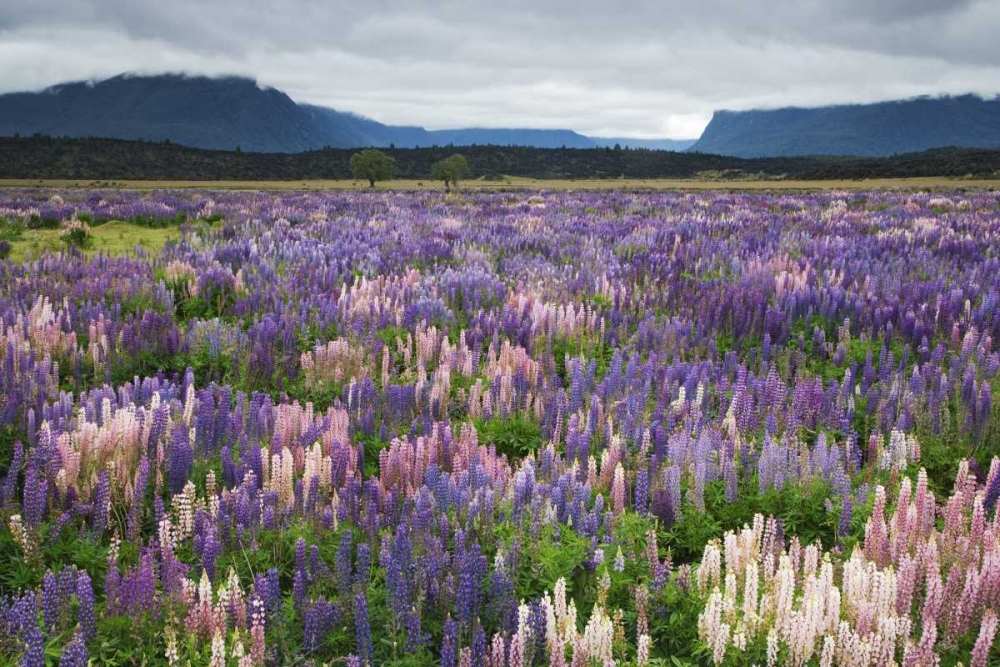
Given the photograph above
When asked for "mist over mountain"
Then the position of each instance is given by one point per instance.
(880, 129)
(227, 113)
(233, 112)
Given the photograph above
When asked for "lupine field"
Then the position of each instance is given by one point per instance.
(503, 430)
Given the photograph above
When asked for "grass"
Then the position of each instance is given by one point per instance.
(112, 238)
(523, 183)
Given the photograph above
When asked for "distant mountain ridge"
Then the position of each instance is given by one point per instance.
(880, 129)
(225, 113)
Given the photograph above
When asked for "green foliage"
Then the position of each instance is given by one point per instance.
(9, 434)
(587, 347)
(549, 558)
(802, 509)
(11, 230)
(372, 165)
(77, 236)
(450, 170)
(514, 436)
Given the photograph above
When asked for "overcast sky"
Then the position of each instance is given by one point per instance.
(640, 69)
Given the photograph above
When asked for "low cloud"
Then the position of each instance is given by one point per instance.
(652, 69)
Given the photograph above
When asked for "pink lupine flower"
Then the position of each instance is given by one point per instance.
(987, 632)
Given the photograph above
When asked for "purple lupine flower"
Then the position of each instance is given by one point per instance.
(50, 601)
(138, 499)
(846, 513)
(181, 456)
(342, 561)
(641, 500)
(538, 620)
(398, 573)
(74, 654)
(472, 568)
(102, 502)
(362, 628)
(268, 588)
(210, 550)
(415, 637)
(320, 617)
(35, 492)
(85, 610)
(479, 646)
(449, 644)
(8, 491)
(34, 647)
(362, 568)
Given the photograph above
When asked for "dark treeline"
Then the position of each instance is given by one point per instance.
(101, 159)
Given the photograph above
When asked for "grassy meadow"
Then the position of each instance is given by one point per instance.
(112, 238)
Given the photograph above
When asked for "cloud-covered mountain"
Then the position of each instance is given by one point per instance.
(884, 128)
(231, 112)
(194, 111)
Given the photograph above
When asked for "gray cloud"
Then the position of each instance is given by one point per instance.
(646, 68)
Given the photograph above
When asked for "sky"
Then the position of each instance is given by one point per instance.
(637, 69)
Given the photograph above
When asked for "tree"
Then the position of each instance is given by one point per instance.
(450, 170)
(372, 165)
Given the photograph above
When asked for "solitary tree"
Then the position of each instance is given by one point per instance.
(450, 170)
(372, 165)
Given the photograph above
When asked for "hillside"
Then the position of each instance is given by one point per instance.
(885, 128)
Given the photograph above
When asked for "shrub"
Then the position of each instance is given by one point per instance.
(76, 233)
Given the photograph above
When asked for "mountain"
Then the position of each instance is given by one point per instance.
(226, 113)
(218, 113)
(344, 129)
(885, 128)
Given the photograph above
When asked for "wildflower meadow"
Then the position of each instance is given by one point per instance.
(563, 429)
